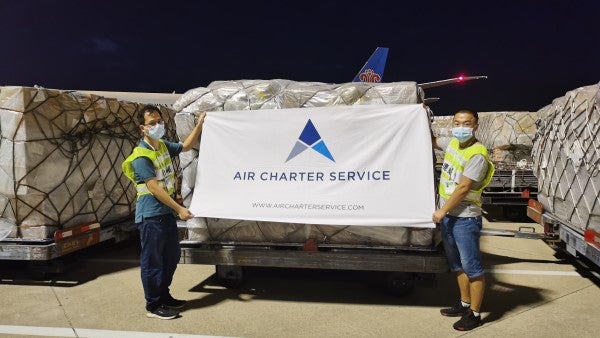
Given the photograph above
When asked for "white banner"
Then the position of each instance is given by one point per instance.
(350, 165)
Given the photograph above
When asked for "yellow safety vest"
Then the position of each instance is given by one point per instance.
(163, 167)
(455, 160)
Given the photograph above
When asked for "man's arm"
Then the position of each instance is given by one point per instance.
(459, 194)
(435, 143)
(162, 196)
(193, 136)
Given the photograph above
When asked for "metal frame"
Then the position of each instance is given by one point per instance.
(575, 243)
(48, 249)
(392, 259)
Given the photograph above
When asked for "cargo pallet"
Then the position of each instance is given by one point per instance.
(405, 266)
(44, 255)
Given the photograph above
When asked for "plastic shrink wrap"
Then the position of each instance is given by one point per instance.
(279, 94)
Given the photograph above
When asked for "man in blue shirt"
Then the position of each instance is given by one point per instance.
(151, 170)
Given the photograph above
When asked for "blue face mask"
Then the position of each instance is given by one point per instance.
(463, 134)
(157, 131)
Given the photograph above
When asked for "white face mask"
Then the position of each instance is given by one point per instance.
(463, 134)
(157, 131)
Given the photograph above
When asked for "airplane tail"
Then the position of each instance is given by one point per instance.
(372, 71)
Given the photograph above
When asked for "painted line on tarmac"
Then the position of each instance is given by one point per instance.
(90, 333)
(533, 272)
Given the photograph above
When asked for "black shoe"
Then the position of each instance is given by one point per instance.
(173, 303)
(468, 322)
(162, 312)
(457, 310)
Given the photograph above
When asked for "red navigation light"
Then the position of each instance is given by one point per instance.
(461, 77)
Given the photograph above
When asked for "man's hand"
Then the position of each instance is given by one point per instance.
(184, 214)
(438, 215)
(162, 196)
(201, 118)
(193, 137)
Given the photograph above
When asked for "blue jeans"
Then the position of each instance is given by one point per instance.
(160, 254)
(461, 242)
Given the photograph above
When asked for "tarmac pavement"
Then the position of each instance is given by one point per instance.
(531, 292)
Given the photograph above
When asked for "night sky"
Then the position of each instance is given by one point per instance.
(532, 51)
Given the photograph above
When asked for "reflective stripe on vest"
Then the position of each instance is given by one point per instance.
(163, 167)
(455, 160)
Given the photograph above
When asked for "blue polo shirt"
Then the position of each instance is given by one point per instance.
(148, 205)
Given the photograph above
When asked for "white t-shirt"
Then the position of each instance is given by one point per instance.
(475, 169)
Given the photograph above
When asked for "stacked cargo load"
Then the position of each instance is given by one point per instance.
(566, 159)
(281, 94)
(507, 135)
(509, 138)
(60, 159)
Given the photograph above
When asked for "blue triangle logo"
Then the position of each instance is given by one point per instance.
(310, 138)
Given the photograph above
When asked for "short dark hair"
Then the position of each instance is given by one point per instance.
(469, 111)
(147, 108)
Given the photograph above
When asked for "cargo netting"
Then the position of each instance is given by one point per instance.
(60, 159)
(566, 158)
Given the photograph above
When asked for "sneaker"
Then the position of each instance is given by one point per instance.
(162, 312)
(173, 303)
(457, 310)
(468, 322)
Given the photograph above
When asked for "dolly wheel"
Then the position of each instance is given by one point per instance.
(400, 284)
(230, 276)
